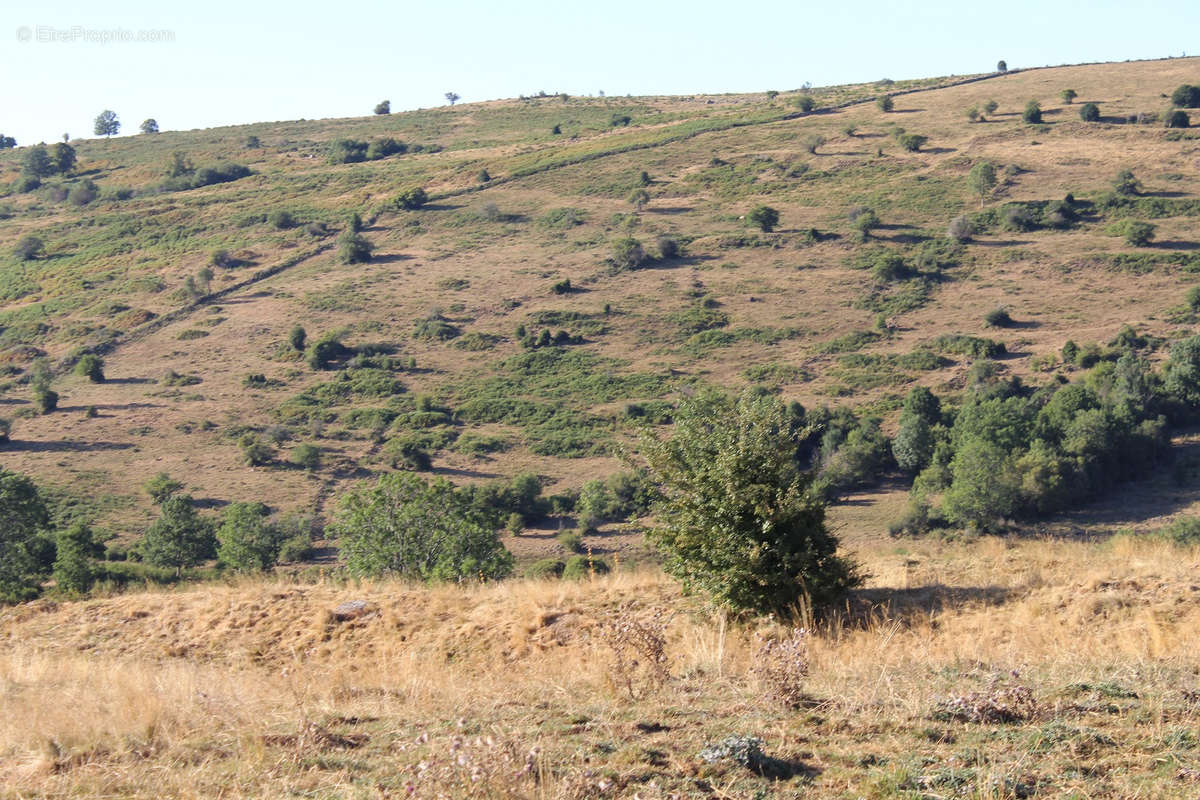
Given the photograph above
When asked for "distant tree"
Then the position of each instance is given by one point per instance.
(960, 229)
(556, 130)
(411, 199)
(805, 102)
(7, 142)
(161, 486)
(1032, 113)
(628, 253)
(246, 542)
(255, 452)
(28, 248)
(23, 518)
(281, 220)
(1186, 96)
(384, 107)
(1068, 95)
(90, 366)
(252, 142)
(812, 142)
(1001, 66)
(407, 527)
(37, 162)
(452, 97)
(973, 114)
(180, 166)
(354, 222)
(864, 220)
(639, 198)
(644, 179)
(76, 547)
(307, 456)
(179, 537)
(1126, 185)
(772, 94)
(764, 218)
(483, 176)
(1089, 112)
(982, 180)
(668, 247)
(354, 248)
(63, 156)
(1177, 118)
(885, 102)
(912, 142)
(296, 338)
(107, 124)
(149, 126)
(990, 107)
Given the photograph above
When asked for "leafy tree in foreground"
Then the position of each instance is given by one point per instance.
(22, 516)
(406, 527)
(179, 538)
(738, 519)
(246, 542)
(73, 571)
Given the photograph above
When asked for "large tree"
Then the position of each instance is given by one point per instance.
(739, 519)
(179, 538)
(22, 518)
(107, 123)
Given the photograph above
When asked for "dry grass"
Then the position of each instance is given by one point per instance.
(518, 689)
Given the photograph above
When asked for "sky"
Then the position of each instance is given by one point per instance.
(200, 65)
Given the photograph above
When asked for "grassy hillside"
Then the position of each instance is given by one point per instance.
(191, 372)
(1007, 669)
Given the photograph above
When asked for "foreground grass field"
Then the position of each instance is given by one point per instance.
(983, 669)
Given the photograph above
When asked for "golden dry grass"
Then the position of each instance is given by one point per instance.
(511, 690)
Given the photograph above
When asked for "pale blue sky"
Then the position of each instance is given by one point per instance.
(250, 61)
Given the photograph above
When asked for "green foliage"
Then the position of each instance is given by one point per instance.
(436, 328)
(179, 537)
(1032, 113)
(863, 220)
(961, 229)
(161, 486)
(28, 248)
(738, 519)
(805, 102)
(37, 162)
(411, 199)
(764, 218)
(255, 452)
(64, 158)
(1178, 118)
(1137, 233)
(75, 549)
(325, 350)
(353, 248)
(23, 517)
(383, 107)
(407, 527)
(990, 107)
(149, 126)
(972, 346)
(912, 142)
(106, 124)
(91, 366)
(628, 253)
(281, 220)
(45, 399)
(998, 318)
(1186, 96)
(296, 338)
(982, 179)
(885, 103)
(1068, 95)
(812, 142)
(1125, 184)
(1089, 112)
(639, 198)
(545, 568)
(246, 542)
(580, 567)
(307, 456)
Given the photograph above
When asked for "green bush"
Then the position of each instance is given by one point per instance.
(179, 537)
(354, 248)
(961, 229)
(805, 102)
(1068, 95)
(764, 218)
(255, 452)
(28, 248)
(1126, 185)
(90, 366)
(411, 199)
(25, 519)
(628, 253)
(1186, 96)
(281, 220)
(1089, 112)
(246, 542)
(1177, 119)
(885, 103)
(1184, 531)
(912, 142)
(45, 399)
(545, 568)
(307, 456)
(571, 541)
(1138, 233)
(296, 338)
(998, 318)
(407, 527)
(1032, 113)
(580, 567)
(749, 533)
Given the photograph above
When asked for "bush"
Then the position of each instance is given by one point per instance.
(561, 287)
(307, 456)
(990, 107)
(382, 148)
(764, 218)
(580, 567)
(571, 541)
(354, 248)
(281, 220)
(912, 142)
(805, 102)
(222, 258)
(864, 220)
(1032, 113)
(383, 107)
(160, 487)
(885, 103)
(668, 248)
(750, 533)
(5, 430)
(74, 551)
(245, 541)
(1089, 112)
(86, 191)
(545, 568)
(812, 142)
(296, 338)
(961, 229)
(1186, 96)
(90, 366)
(255, 452)
(45, 399)
(1177, 119)
(407, 527)
(998, 318)
(1138, 233)
(628, 253)
(1126, 185)
(179, 537)
(25, 518)
(1068, 95)
(28, 248)
(973, 114)
(411, 199)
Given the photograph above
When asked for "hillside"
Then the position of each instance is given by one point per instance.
(192, 371)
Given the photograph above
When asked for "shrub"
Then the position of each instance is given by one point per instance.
(383, 107)
(326, 350)
(961, 229)
(222, 258)
(90, 366)
(1032, 113)
(1089, 112)
(179, 537)
(296, 338)
(25, 518)
(281, 220)
(912, 142)
(1186, 96)
(45, 399)
(973, 114)
(990, 107)
(74, 551)
(382, 148)
(252, 142)
(805, 102)
(571, 541)
(1126, 185)
(1177, 119)
(812, 142)
(245, 540)
(354, 248)
(639, 198)
(411, 199)
(764, 218)
(28, 248)
(998, 318)
(354, 222)
(255, 452)
(1138, 233)
(885, 102)
(86, 191)
(864, 220)
(628, 253)
(436, 328)
(307, 456)
(561, 287)
(545, 568)
(160, 487)
(5, 430)
(668, 248)
(580, 567)
(405, 526)
(750, 533)
(1068, 95)
(1193, 298)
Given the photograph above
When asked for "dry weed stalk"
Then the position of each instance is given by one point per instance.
(638, 649)
(781, 667)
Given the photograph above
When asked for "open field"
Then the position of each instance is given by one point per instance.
(988, 669)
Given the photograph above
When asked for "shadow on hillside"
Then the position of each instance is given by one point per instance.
(668, 209)
(1176, 245)
(64, 446)
(937, 151)
(906, 111)
(127, 381)
(111, 406)
(389, 258)
(462, 473)
(1165, 194)
(440, 207)
(866, 608)
(13, 401)
(1001, 242)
